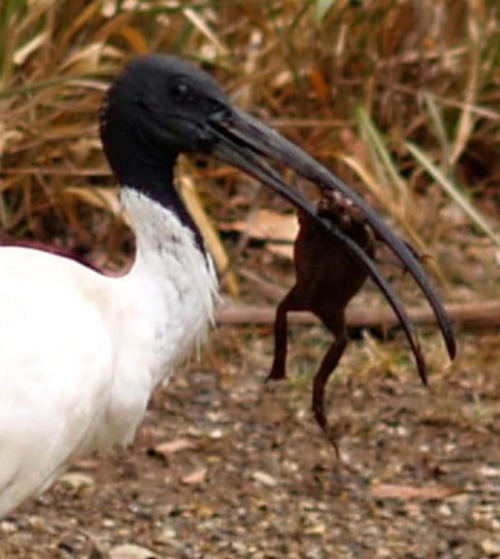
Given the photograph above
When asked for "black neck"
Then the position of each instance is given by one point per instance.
(142, 167)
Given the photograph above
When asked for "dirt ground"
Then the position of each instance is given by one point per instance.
(225, 466)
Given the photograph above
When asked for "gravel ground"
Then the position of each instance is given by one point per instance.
(226, 467)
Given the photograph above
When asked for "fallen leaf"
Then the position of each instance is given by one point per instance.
(195, 477)
(166, 449)
(269, 226)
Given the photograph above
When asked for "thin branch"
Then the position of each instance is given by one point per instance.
(466, 316)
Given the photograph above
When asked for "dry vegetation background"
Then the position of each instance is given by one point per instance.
(400, 97)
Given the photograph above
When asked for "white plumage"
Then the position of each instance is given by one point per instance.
(81, 352)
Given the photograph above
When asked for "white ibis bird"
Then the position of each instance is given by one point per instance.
(81, 353)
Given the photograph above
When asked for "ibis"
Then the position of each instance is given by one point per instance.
(80, 352)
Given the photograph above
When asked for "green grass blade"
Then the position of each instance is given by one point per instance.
(322, 8)
(453, 191)
(437, 121)
(380, 149)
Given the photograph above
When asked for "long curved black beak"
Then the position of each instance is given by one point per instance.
(248, 144)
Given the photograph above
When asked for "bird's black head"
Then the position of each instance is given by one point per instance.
(160, 106)
(157, 107)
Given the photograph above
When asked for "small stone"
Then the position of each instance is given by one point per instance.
(166, 536)
(76, 480)
(489, 471)
(317, 529)
(36, 523)
(491, 547)
(8, 527)
(264, 478)
(445, 510)
(216, 434)
(131, 551)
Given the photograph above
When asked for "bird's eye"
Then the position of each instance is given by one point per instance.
(182, 92)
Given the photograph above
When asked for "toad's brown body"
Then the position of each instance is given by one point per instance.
(327, 278)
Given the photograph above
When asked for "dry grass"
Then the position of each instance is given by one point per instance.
(357, 84)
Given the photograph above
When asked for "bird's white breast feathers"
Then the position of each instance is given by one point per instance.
(80, 353)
